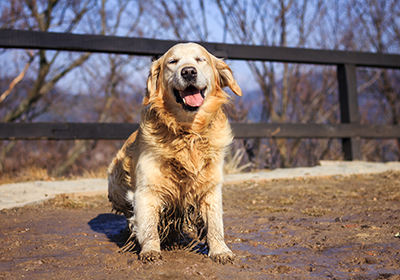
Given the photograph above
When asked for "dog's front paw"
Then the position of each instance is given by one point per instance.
(223, 258)
(150, 256)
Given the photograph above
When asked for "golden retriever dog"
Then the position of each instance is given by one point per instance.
(172, 166)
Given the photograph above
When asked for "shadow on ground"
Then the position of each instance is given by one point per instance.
(113, 226)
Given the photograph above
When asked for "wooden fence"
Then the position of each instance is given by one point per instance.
(349, 130)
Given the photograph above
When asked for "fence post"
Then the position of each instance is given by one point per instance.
(349, 112)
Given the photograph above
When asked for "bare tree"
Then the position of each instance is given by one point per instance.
(182, 20)
(61, 15)
(107, 75)
(44, 16)
(378, 31)
(277, 23)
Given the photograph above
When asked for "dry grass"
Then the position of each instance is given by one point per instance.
(100, 172)
(33, 173)
(233, 162)
(25, 175)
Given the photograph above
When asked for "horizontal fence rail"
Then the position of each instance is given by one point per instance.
(349, 130)
(121, 131)
(22, 39)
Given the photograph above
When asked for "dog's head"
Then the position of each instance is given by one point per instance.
(185, 78)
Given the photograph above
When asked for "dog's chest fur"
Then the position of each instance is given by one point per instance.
(191, 163)
(188, 157)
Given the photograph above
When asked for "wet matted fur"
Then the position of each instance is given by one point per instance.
(169, 172)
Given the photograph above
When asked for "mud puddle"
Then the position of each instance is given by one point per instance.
(328, 228)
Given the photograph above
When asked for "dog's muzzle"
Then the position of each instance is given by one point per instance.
(192, 97)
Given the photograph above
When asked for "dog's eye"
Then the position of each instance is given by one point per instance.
(173, 61)
(200, 59)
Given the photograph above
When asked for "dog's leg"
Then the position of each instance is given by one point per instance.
(147, 208)
(211, 208)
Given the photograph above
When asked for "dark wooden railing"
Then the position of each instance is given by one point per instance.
(349, 130)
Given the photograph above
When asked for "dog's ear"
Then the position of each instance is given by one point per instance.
(152, 82)
(226, 77)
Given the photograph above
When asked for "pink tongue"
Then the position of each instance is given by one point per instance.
(192, 97)
(194, 100)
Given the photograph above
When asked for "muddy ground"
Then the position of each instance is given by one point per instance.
(329, 228)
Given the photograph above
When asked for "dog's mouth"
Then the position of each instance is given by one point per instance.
(191, 98)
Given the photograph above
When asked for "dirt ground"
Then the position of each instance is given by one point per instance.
(325, 228)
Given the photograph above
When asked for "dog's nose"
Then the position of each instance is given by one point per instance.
(189, 73)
